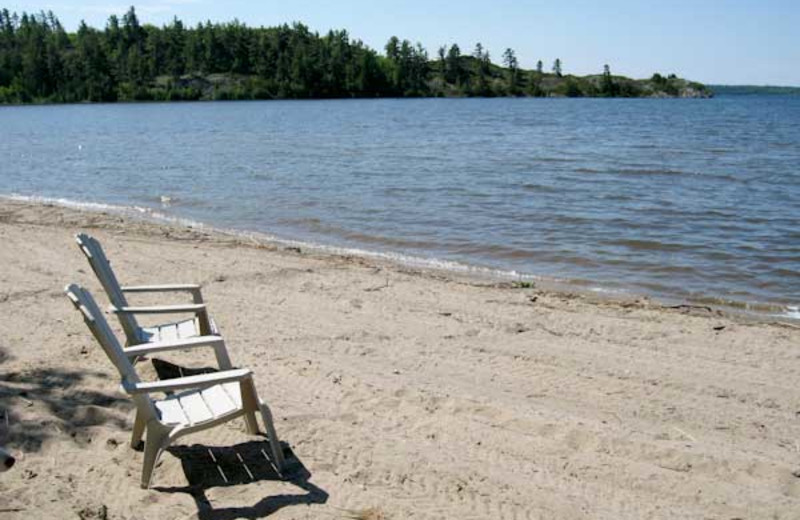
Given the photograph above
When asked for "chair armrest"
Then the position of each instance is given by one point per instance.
(183, 383)
(160, 309)
(164, 346)
(192, 288)
(189, 287)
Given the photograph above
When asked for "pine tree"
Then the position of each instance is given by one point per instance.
(454, 70)
(510, 61)
(607, 86)
(482, 70)
(557, 67)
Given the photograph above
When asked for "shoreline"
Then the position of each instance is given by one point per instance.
(450, 269)
(42, 103)
(400, 392)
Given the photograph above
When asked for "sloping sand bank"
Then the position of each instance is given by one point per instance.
(401, 394)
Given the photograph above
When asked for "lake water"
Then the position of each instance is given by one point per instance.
(690, 200)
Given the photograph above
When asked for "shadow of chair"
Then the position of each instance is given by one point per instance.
(243, 464)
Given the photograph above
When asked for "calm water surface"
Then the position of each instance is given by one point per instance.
(694, 200)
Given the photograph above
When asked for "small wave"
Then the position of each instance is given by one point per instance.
(101, 207)
(554, 160)
(410, 260)
(791, 311)
(648, 172)
(762, 308)
(262, 176)
(73, 204)
(647, 245)
(420, 262)
(402, 190)
(167, 201)
(644, 172)
(569, 219)
(608, 290)
(668, 270)
(618, 197)
(316, 225)
(538, 188)
(787, 273)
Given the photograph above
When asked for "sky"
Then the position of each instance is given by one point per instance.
(713, 41)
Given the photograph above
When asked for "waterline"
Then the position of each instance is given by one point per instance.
(483, 273)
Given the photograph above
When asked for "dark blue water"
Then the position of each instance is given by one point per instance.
(691, 199)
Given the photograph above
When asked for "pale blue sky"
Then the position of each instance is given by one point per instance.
(714, 41)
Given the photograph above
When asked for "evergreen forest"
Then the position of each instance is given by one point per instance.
(40, 62)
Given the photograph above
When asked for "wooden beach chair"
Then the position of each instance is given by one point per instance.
(199, 325)
(196, 402)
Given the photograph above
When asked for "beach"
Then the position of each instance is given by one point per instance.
(400, 393)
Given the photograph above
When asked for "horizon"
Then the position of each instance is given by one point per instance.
(635, 41)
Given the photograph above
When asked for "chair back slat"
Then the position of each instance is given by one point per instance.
(101, 266)
(96, 321)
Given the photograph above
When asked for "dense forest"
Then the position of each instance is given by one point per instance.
(128, 61)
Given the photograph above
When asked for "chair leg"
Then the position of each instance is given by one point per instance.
(269, 426)
(251, 424)
(250, 405)
(157, 440)
(138, 430)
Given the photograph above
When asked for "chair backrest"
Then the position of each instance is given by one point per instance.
(101, 266)
(96, 321)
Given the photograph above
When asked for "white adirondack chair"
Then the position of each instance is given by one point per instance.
(198, 402)
(199, 325)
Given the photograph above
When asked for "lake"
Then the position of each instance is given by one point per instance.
(683, 200)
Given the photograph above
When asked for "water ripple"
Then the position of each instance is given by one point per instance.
(696, 201)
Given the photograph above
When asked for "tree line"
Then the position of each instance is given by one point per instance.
(128, 60)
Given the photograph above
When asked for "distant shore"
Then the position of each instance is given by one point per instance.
(236, 87)
(756, 90)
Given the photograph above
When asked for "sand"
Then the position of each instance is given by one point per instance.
(401, 394)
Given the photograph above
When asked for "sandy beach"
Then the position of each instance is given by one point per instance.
(399, 393)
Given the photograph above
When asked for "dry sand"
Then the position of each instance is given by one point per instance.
(401, 394)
